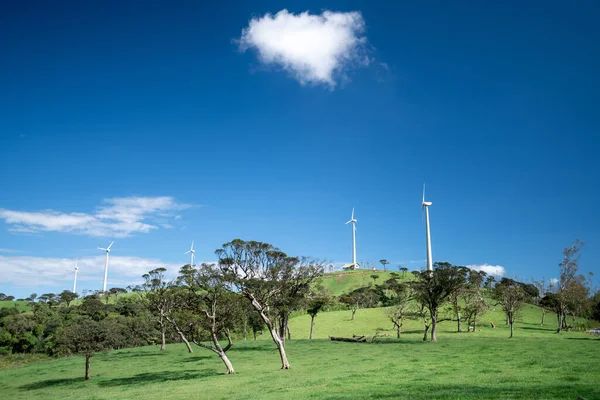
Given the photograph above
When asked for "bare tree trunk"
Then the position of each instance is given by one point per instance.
(285, 364)
(559, 316)
(253, 331)
(434, 326)
(88, 376)
(398, 330)
(543, 315)
(474, 322)
(163, 345)
(511, 321)
(507, 319)
(458, 320)
(353, 312)
(312, 325)
(229, 341)
(245, 332)
(184, 340)
(289, 335)
(426, 331)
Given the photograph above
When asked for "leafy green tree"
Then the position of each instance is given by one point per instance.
(66, 296)
(511, 298)
(154, 294)
(208, 294)
(315, 305)
(87, 337)
(267, 278)
(374, 277)
(384, 262)
(572, 286)
(433, 288)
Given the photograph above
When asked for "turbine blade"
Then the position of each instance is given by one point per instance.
(423, 193)
(111, 243)
(348, 222)
(189, 251)
(100, 248)
(352, 212)
(192, 248)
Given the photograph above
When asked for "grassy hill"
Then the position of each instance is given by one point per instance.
(526, 367)
(345, 282)
(535, 364)
(20, 305)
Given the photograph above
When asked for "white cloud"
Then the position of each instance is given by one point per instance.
(495, 270)
(313, 48)
(2, 250)
(553, 282)
(117, 217)
(57, 273)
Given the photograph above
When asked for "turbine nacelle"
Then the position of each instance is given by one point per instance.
(426, 203)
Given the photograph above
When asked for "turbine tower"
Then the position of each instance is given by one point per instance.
(425, 207)
(107, 250)
(354, 264)
(192, 252)
(75, 279)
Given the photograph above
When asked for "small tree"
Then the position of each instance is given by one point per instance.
(267, 277)
(511, 299)
(384, 262)
(399, 311)
(572, 287)
(315, 306)
(374, 277)
(155, 295)
(86, 337)
(66, 296)
(404, 271)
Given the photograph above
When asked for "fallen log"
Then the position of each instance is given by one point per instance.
(356, 339)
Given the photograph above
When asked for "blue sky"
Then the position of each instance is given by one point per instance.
(159, 123)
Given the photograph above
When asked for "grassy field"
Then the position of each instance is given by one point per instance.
(528, 367)
(345, 282)
(535, 364)
(20, 305)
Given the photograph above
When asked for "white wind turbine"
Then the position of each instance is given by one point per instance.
(192, 254)
(75, 279)
(353, 220)
(107, 250)
(425, 207)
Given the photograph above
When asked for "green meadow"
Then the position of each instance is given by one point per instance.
(535, 364)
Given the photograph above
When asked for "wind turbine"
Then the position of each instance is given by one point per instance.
(354, 264)
(192, 252)
(75, 279)
(425, 207)
(107, 250)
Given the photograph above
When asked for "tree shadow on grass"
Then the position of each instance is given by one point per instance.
(154, 377)
(51, 383)
(251, 348)
(134, 355)
(197, 358)
(583, 338)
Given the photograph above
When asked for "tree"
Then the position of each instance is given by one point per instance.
(511, 298)
(572, 287)
(66, 296)
(266, 276)
(374, 277)
(155, 287)
(31, 297)
(474, 304)
(86, 337)
(209, 295)
(432, 289)
(404, 271)
(315, 305)
(384, 262)
(399, 311)
(457, 292)
(362, 297)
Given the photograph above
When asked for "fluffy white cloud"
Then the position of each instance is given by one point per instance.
(57, 273)
(553, 282)
(117, 217)
(495, 270)
(313, 48)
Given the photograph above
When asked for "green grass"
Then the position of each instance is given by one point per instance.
(20, 305)
(548, 367)
(345, 282)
